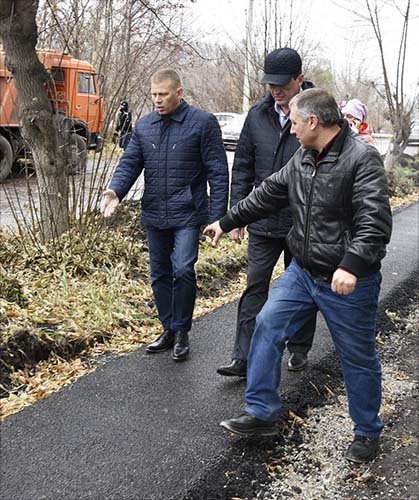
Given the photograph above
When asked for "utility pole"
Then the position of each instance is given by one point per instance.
(247, 66)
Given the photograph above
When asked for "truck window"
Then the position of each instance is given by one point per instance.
(57, 75)
(85, 83)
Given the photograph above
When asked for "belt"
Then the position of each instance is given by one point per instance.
(318, 275)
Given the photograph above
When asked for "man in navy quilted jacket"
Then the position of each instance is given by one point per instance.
(180, 149)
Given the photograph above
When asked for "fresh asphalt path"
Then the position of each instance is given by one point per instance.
(143, 427)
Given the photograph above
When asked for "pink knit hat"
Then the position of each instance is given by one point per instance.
(355, 108)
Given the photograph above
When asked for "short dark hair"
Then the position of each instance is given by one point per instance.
(317, 102)
(167, 74)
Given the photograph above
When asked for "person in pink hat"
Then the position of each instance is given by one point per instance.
(356, 112)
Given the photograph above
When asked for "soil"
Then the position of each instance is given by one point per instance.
(305, 462)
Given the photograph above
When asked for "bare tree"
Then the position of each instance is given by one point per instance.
(391, 88)
(40, 125)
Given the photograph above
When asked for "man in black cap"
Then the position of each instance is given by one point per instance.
(265, 146)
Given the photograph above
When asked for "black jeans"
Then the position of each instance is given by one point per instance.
(263, 254)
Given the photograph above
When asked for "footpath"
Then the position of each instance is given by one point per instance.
(143, 427)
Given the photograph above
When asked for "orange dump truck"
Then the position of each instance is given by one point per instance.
(74, 91)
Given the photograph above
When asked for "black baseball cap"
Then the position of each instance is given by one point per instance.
(281, 65)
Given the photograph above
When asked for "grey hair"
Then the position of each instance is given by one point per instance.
(167, 74)
(317, 102)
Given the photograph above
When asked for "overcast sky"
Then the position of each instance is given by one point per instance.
(334, 28)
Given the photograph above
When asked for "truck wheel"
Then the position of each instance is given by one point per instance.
(78, 160)
(6, 158)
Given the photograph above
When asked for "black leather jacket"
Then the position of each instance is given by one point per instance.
(264, 147)
(340, 207)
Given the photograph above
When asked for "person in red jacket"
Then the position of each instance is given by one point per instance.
(356, 112)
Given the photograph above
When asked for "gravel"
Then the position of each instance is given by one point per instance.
(316, 469)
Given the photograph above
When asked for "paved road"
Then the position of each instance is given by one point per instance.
(142, 427)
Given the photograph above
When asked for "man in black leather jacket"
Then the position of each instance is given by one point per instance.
(337, 191)
(264, 147)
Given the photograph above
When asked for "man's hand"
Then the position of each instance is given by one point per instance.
(343, 282)
(110, 202)
(237, 234)
(214, 231)
(115, 136)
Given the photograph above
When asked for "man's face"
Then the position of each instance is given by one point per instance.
(303, 129)
(282, 94)
(165, 97)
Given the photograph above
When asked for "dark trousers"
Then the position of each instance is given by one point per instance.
(263, 254)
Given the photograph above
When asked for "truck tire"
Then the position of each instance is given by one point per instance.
(6, 158)
(78, 160)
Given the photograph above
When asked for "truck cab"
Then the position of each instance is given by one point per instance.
(74, 90)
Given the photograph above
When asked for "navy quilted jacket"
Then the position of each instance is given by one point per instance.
(179, 153)
(263, 149)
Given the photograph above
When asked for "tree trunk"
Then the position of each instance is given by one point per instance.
(41, 128)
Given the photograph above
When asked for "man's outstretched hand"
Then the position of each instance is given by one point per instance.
(214, 231)
(110, 202)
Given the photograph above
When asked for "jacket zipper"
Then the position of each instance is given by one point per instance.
(308, 216)
(167, 172)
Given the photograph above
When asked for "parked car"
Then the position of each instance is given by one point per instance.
(414, 134)
(225, 117)
(231, 131)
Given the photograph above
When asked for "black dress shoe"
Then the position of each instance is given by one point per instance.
(362, 449)
(237, 368)
(164, 342)
(297, 362)
(246, 425)
(181, 347)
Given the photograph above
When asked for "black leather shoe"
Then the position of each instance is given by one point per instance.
(362, 449)
(246, 425)
(164, 342)
(237, 368)
(181, 346)
(297, 362)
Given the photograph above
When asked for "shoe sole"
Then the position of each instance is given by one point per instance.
(269, 432)
(230, 374)
(361, 461)
(296, 368)
(152, 351)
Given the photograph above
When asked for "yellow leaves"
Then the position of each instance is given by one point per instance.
(277, 466)
(391, 315)
(297, 419)
(408, 441)
(50, 377)
(400, 375)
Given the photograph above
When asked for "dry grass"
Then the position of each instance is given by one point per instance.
(89, 306)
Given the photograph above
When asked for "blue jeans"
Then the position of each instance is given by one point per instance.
(173, 253)
(351, 320)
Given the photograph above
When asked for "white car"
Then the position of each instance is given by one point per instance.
(224, 118)
(231, 131)
(414, 134)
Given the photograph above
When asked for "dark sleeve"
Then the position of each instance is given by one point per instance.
(269, 197)
(243, 172)
(372, 219)
(215, 161)
(129, 167)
